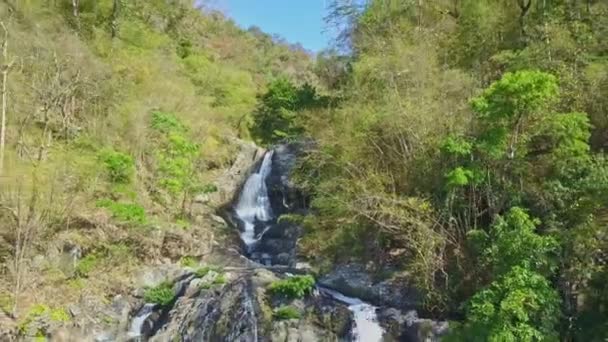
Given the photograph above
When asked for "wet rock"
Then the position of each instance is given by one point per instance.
(355, 281)
(223, 315)
(284, 195)
(409, 327)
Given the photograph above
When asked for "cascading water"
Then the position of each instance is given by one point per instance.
(135, 331)
(366, 327)
(254, 205)
(254, 208)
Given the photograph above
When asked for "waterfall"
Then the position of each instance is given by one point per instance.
(138, 321)
(366, 327)
(254, 204)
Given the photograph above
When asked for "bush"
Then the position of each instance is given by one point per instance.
(119, 166)
(286, 313)
(202, 271)
(220, 279)
(162, 294)
(87, 264)
(188, 261)
(166, 122)
(124, 212)
(293, 287)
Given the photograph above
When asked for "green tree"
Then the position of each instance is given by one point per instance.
(510, 109)
(277, 116)
(520, 304)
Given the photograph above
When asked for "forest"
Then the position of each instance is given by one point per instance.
(466, 144)
(458, 142)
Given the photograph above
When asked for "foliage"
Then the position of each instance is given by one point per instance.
(513, 242)
(87, 264)
(119, 166)
(519, 306)
(293, 287)
(510, 107)
(176, 158)
(37, 311)
(161, 294)
(188, 261)
(277, 116)
(124, 212)
(468, 148)
(202, 271)
(220, 279)
(286, 313)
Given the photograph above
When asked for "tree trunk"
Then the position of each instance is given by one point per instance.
(75, 7)
(115, 15)
(5, 69)
(524, 6)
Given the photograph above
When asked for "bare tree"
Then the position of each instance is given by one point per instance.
(75, 7)
(5, 69)
(524, 6)
(115, 15)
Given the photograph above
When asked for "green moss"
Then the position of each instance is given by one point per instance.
(285, 313)
(162, 294)
(220, 279)
(202, 271)
(59, 315)
(293, 287)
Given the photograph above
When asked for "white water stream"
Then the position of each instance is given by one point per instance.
(254, 204)
(254, 207)
(138, 321)
(366, 328)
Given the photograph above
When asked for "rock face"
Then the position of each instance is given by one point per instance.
(242, 311)
(228, 184)
(409, 327)
(227, 314)
(354, 280)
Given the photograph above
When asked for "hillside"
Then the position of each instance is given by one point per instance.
(119, 113)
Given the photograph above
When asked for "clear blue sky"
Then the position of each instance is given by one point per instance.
(298, 21)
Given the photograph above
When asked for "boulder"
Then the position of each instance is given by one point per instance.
(355, 281)
(409, 327)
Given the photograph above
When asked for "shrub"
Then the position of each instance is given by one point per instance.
(293, 287)
(220, 279)
(87, 264)
(162, 294)
(124, 212)
(166, 122)
(42, 310)
(202, 271)
(119, 166)
(285, 313)
(188, 261)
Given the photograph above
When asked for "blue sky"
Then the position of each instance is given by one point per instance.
(298, 21)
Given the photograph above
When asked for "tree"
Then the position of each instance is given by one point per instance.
(509, 110)
(520, 304)
(6, 67)
(276, 117)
